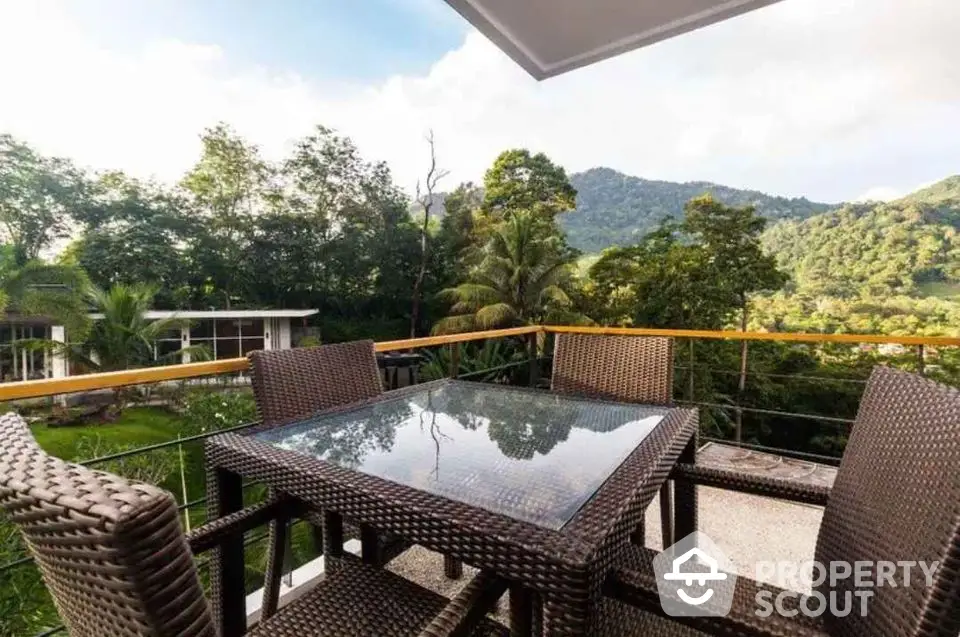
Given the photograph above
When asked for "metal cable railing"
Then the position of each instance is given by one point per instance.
(534, 338)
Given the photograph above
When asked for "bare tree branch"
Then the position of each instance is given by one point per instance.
(426, 201)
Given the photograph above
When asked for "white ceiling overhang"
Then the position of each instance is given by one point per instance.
(550, 37)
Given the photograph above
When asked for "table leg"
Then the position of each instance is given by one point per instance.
(370, 546)
(685, 496)
(452, 567)
(228, 599)
(666, 513)
(537, 624)
(521, 611)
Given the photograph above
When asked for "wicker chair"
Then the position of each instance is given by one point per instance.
(623, 368)
(896, 497)
(291, 385)
(114, 557)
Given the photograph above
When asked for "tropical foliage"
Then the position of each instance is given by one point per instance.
(521, 278)
(123, 337)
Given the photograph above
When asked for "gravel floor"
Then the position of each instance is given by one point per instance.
(747, 528)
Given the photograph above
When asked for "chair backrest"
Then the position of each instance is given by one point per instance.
(293, 384)
(111, 551)
(897, 498)
(624, 368)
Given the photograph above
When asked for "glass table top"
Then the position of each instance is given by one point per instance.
(533, 456)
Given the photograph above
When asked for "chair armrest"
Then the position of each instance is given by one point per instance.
(213, 533)
(755, 485)
(639, 589)
(461, 616)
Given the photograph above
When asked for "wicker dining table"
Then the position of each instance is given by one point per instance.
(543, 489)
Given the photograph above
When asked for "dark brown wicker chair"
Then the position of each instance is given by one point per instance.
(114, 557)
(293, 384)
(623, 368)
(896, 497)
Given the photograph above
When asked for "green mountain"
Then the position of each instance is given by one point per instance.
(617, 209)
(910, 246)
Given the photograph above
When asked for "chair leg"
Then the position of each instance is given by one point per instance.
(279, 533)
(452, 567)
(316, 539)
(666, 514)
(332, 540)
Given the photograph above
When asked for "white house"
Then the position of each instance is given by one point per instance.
(225, 333)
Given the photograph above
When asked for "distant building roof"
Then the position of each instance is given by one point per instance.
(222, 314)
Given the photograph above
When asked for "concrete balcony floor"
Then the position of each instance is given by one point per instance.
(749, 529)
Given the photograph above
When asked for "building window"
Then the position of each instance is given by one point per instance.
(166, 345)
(228, 338)
(18, 362)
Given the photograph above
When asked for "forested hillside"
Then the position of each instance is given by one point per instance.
(618, 209)
(908, 247)
(890, 268)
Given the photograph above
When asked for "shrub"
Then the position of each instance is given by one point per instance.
(211, 410)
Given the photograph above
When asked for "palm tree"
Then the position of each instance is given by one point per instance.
(124, 338)
(521, 278)
(52, 291)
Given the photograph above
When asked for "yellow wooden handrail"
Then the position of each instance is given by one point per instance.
(431, 341)
(804, 337)
(107, 380)
(87, 382)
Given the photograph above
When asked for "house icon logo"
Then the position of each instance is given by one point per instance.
(695, 578)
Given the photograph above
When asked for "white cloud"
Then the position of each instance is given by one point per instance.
(819, 97)
(879, 193)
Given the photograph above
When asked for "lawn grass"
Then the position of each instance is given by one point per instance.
(136, 427)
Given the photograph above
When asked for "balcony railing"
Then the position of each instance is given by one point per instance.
(742, 381)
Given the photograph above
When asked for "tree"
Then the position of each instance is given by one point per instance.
(229, 185)
(426, 201)
(37, 289)
(37, 196)
(137, 232)
(364, 245)
(519, 280)
(663, 281)
(730, 237)
(456, 242)
(519, 180)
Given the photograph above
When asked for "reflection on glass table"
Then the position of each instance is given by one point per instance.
(530, 455)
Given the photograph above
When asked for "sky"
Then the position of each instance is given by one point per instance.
(830, 99)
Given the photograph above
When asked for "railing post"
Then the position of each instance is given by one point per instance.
(920, 361)
(454, 360)
(741, 386)
(533, 352)
(690, 392)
